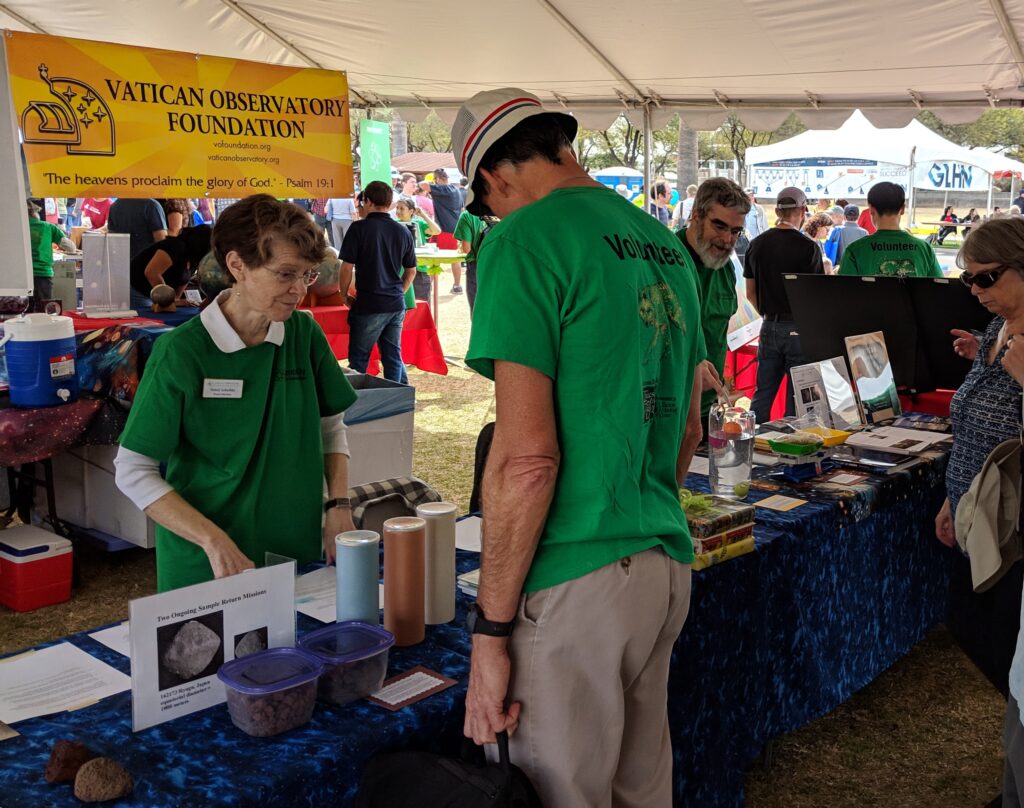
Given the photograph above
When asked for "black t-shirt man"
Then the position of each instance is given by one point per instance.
(777, 252)
(381, 249)
(176, 276)
(447, 206)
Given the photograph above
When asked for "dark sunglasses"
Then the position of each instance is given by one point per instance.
(984, 280)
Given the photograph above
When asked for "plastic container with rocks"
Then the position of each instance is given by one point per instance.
(271, 691)
(355, 658)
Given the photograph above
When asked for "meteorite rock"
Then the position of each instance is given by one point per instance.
(102, 779)
(193, 648)
(249, 644)
(66, 759)
(347, 682)
(271, 713)
(162, 295)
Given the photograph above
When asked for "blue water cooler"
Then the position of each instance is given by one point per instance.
(40, 352)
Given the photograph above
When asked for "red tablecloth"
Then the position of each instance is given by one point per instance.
(420, 345)
(91, 323)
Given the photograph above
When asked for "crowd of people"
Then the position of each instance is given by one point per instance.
(580, 488)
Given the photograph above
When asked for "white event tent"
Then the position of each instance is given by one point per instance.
(599, 58)
(848, 161)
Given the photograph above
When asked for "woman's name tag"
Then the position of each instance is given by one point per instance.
(222, 388)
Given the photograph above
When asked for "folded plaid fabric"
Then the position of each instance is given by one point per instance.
(412, 490)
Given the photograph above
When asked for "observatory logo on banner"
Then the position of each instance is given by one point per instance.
(186, 124)
(74, 115)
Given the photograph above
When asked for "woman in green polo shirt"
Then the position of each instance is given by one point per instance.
(243, 405)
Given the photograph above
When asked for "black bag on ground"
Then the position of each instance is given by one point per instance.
(427, 780)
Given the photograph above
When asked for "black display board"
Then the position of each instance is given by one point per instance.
(915, 314)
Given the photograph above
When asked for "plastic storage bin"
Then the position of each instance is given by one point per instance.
(271, 691)
(355, 658)
(35, 568)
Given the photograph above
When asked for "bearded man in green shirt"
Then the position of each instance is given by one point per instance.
(890, 251)
(716, 222)
(588, 320)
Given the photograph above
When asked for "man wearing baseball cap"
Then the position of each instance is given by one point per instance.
(588, 321)
(783, 250)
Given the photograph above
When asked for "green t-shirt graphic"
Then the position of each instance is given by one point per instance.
(891, 253)
(600, 297)
(253, 464)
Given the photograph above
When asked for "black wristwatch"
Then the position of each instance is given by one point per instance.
(337, 502)
(478, 624)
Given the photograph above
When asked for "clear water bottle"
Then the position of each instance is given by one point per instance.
(730, 450)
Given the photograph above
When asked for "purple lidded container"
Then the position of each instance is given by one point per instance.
(271, 691)
(355, 659)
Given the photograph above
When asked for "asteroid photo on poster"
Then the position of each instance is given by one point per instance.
(249, 642)
(190, 649)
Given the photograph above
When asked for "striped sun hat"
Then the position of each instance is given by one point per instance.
(489, 115)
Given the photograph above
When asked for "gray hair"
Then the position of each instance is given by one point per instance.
(719, 190)
(997, 241)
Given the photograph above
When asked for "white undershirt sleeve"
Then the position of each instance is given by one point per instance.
(335, 434)
(139, 479)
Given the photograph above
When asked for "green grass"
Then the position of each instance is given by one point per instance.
(925, 734)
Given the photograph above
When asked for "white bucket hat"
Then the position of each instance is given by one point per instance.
(489, 115)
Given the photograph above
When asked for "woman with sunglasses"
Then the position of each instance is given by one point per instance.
(243, 406)
(985, 411)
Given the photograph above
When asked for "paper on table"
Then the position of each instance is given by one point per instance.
(316, 593)
(467, 533)
(115, 638)
(419, 682)
(780, 503)
(699, 465)
(54, 679)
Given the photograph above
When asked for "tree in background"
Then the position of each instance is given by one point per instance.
(1000, 129)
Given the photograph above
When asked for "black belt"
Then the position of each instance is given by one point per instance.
(778, 318)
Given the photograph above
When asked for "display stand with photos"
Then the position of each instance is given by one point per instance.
(915, 315)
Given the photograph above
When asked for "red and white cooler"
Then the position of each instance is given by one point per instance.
(35, 568)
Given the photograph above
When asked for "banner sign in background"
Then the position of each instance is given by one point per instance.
(374, 152)
(949, 175)
(826, 176)
(100, 119)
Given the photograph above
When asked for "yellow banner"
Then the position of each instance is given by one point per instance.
(108, 120)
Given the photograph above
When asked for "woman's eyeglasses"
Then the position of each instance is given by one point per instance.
(288, 279)
(984, 280)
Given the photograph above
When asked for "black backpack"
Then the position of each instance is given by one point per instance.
(427, 780)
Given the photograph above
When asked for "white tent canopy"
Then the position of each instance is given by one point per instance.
(848, 161)
(600, 57)
(859, 138)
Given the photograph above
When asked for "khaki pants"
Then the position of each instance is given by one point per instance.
(1013, 749)
(590, 662)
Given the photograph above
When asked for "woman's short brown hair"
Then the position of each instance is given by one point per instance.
(995, 241)
(817, 223)
(252, 225)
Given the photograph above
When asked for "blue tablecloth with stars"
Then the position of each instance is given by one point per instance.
(835, 592)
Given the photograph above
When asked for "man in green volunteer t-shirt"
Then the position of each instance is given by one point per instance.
(889, 251)
(587, 318)
(470, 230)
(717, 219)
(42, 236)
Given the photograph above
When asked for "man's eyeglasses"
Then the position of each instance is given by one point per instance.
(984, 280)
(723, 228)
(288, 279)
